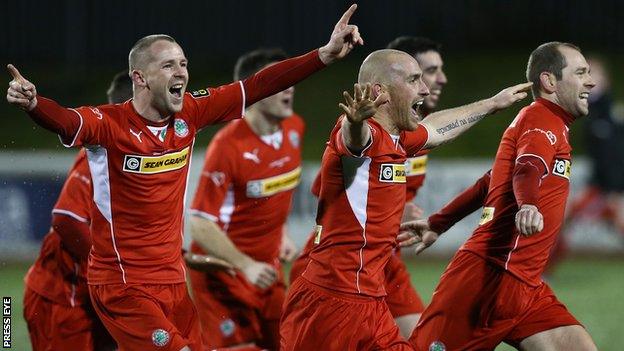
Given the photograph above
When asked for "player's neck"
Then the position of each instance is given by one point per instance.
(262, 124)
(145, 109)
(383, 118)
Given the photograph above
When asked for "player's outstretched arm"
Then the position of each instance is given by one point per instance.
(215, 242)
(45, 112)
(356, 134)
(446, 125)
(425, 232)
(207, 263)
(284, 74)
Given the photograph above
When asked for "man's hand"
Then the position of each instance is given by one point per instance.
(207, 263)
(411, 212)
(416, 232)
(260, 274)
(529, 220)
(288, 249)
(343, 39)
(362, 106)
(511, 95)
(21, 92)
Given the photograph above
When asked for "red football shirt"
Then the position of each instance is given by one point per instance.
(360, 206)
(539, 130)
(247, 186)
(416, 171)
(139, 184)
(55, 274)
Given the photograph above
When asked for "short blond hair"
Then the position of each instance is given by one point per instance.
(137, 56)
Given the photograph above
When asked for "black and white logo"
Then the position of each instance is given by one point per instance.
(132, 163)
(385, 173)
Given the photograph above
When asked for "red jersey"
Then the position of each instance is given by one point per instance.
(139, 183)
(356, 224)
(247, 186)
(56, 274)
(539, 130)
(415, 171)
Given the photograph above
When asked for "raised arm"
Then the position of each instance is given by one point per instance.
(446, 125)
(287, 73)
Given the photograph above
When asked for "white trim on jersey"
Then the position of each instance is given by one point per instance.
(203, 214)
(512, 250)
(78, 132)
(244, 98)
(226, 210)
(70, 214)
(188, 175)
(540, 157)
(357, 195)
(98, 164)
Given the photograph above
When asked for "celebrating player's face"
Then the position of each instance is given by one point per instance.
(431, 64)
(575, 84)
(166, 76)
(407, 93)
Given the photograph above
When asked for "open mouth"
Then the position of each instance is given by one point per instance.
(416, 108)
(584, 96)
(176, 90)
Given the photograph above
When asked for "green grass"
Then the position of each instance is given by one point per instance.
(590, 288)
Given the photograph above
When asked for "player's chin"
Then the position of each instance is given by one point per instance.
(410, 124)
(175, 106)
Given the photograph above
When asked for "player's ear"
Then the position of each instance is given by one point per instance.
(378, 89)
(137, 78)
(548, 82)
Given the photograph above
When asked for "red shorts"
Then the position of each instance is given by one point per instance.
(53, 326)
(316, 318)
(402, 298)
(148, 316)
(232, 312)
(478, 305)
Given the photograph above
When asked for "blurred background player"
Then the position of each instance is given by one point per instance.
(139, 158)
(251, 170)
(363, 166)
(603, 198)
(492, 290)
(404, 302)
(57, 307)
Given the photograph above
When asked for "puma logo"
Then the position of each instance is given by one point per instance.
(252, 156)
(137, 135)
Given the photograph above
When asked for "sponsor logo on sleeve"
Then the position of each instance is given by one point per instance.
(416, 165)
(392, 173)
(487, 215)
(200, 93)
(562, 168)
(156, 164)
(273, 185)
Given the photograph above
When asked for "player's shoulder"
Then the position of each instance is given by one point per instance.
(295, 121)
(537, 115)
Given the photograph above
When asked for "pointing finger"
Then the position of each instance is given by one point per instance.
(15, 73)
(344, 20)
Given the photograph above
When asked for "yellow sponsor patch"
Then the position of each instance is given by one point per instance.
(392, 173)
(156, 164)
(487, 215)
(318, 229)
(562, 168)
(416, 165)
(273, 185)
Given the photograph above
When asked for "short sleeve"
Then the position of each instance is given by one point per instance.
(537, 138)
(95, 128)
(413, 141)
(214, 105)
(214, 182)
(77, 194)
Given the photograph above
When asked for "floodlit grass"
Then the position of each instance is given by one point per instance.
(590, 288)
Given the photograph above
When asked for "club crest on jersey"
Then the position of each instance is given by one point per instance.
(437, 346)
(293, 136)
(156, 164)
(416, 165)
(562, 168)
(487, 215)
(392, 173)
(227, 327)
(273, 185)
(180, 127)
(160, 337)
(200, 93)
